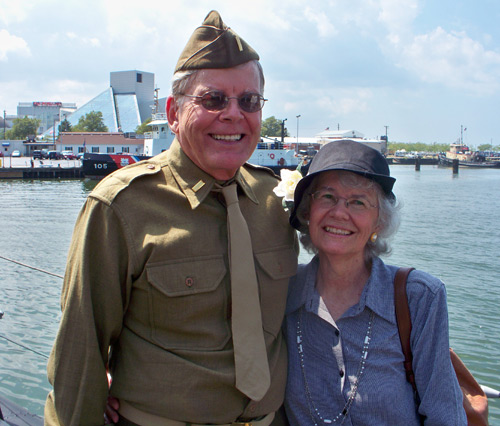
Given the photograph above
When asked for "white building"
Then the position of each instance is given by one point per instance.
(100, 142)
(48, 113)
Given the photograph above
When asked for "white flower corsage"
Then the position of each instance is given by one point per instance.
(286, 187)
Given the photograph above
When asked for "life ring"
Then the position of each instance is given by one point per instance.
(272, 156)
(281, 161)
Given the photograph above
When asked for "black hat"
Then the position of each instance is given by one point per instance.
(346, 155)
(214, 45)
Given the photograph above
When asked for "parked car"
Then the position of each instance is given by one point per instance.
(16, 153)
(68, 155)
(40, 154)
(55, 155)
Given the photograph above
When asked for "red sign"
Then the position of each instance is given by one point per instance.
(47, 104)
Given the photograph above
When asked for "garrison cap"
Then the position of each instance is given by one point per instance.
(214, 45)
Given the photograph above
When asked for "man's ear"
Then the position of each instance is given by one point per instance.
(172, 114)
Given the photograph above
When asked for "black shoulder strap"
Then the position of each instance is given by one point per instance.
(403, 320)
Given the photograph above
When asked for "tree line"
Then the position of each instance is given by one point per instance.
(24, 128)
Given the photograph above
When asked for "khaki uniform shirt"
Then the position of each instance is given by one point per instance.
(148, 279)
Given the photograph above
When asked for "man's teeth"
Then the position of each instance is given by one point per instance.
(228, 137)
(337, 231)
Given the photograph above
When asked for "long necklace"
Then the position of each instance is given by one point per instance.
(313, 411)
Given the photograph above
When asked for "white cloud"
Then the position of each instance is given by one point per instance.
(14, 11)
(12, 44)
(398, 15)
(454, 60)
(323, 24)
(346, 101)
(89, 41)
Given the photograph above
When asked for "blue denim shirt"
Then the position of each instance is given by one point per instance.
(321, 382)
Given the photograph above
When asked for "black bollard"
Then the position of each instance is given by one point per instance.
(417, 164)
(455, 167)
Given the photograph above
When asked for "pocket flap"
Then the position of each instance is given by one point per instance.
(182, 277)
(278, 263)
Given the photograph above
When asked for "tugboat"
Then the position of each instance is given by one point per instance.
(465, 157)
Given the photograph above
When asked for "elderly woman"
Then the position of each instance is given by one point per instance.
(345, 357)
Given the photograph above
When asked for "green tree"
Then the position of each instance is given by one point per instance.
(392, 147)
(485, 147)
(143, 128)
(23, 127)
(65, 126)
(91, 122)
(272, 127)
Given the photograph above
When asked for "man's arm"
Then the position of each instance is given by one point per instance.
(93, 302)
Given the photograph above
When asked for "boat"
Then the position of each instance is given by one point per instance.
(97, 165)
(461, 153)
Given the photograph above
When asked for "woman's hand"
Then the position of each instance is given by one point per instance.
(111, 414)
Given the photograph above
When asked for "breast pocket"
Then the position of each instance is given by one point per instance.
(275, 268)
(188, 303)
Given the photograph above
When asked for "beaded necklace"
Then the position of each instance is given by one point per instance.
(313, 411)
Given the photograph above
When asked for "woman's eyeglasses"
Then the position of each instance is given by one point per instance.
(217, 101)
(327, 199)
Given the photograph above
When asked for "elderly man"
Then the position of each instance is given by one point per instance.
(178, 268)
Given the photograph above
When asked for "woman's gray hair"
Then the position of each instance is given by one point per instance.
(181, 81)
(388, 215)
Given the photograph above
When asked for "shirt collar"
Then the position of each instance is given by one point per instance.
(194, 182)
(377, 295)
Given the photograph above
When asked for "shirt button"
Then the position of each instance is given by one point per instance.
(341, 373)
(189, 281)
(337, 333)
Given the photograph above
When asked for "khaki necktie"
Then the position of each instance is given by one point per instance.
(250, 356)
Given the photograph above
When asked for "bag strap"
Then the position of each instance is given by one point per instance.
(403, 321)
(475, 401)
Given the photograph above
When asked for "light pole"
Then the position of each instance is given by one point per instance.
(54, 131)
(297, 145)
(283, 130)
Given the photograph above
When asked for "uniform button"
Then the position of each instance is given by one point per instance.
(341, 373)
(189, 281)
(150, 166)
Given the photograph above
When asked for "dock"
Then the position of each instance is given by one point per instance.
(41, 173)
(27, 168)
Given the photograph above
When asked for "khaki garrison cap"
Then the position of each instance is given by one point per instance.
(214, 45)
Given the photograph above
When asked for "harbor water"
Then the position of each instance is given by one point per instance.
(450, 228)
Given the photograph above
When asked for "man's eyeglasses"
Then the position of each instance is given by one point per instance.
(217, 101)
(327, 199)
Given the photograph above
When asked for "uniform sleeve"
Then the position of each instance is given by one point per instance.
(440, 395)
(93, 300)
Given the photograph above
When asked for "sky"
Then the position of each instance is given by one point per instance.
(418, 70)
